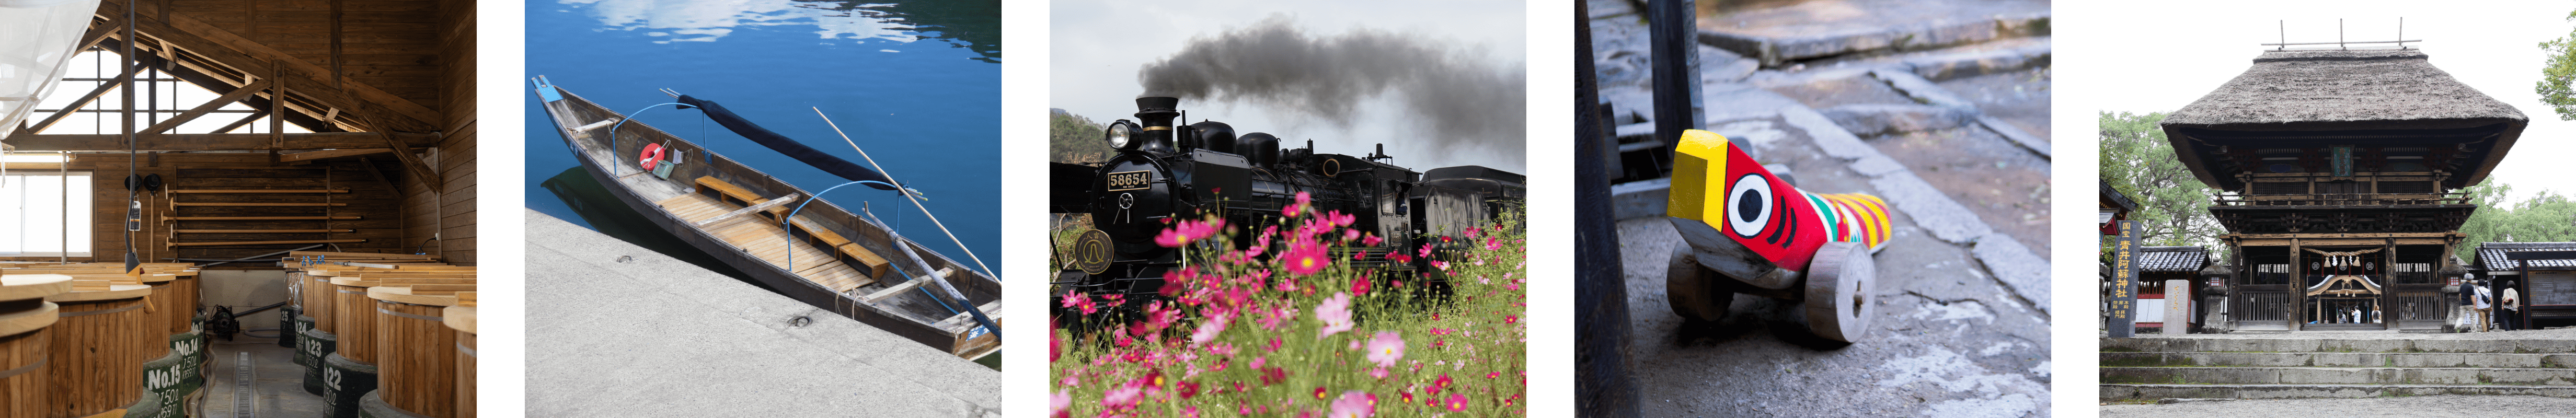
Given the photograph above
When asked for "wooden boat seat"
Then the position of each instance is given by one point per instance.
(763, 239)
(727, 192)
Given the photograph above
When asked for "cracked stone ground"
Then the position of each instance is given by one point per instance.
(1949, 340)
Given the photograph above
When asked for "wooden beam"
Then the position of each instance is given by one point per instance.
(258, 218)
(245, 191)
(259, 231)
(308, 157)
(235, 96)
(214, 142)
(300, 241)
(311, 81)
(419, 169)
(219, 204)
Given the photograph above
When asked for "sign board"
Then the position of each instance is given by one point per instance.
(2177, 307)
(2123, 300)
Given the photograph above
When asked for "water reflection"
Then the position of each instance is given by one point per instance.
(973, 24)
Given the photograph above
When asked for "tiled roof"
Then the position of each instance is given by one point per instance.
(2172, 259)
(2491, 255)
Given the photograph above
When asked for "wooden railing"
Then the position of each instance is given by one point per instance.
(2344, 199)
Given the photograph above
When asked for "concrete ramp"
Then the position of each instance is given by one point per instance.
(615, 330)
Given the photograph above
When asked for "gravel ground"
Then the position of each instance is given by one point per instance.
(2409, 407)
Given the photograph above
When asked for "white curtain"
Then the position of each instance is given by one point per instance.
(37, 38)
(37, 209)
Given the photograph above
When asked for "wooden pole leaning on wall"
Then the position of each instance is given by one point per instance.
(25, 342)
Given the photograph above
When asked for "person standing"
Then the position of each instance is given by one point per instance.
(2485, 303)
(2510, 318)
(2467, 312)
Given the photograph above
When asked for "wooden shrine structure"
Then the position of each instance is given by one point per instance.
(2336, 169)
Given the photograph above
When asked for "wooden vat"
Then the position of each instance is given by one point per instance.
(419, 351)
(319, 298)
(461, 318)
(24, 341)
(97, 349)
(184, 296)
(356, 316)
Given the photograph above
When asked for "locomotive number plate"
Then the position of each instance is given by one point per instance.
(1130, 180)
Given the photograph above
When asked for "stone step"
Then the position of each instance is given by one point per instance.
(2117, 392)
(1776, 33)
(2200, 359)
(2269, 345)
(2340, 376)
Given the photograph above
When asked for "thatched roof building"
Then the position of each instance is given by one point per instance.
(2291, 101)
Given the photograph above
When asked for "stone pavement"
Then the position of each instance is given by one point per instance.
(615, 330)
(1953, 137)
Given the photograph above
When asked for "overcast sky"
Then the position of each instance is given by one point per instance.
(1100, 44)
(2160, 56)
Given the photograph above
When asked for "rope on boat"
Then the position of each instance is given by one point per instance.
(800, 207)
(912, 197)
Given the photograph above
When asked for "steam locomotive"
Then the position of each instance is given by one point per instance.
(1165, 172)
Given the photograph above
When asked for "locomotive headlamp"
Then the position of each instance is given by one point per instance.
(1122, 135)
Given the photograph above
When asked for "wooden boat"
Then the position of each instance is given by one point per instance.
(841, 261)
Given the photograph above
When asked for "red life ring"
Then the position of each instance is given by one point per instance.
(652, 156)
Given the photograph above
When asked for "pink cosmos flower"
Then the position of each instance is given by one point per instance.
(1062, 403)
(1354, 404)
(1473, 230)
(1379, 372)
(1306, 258)
(1077, 299)
(1207, 331)
(1386, 349)
(1292, 209)
(1340, 219)
(1493, 244)
(1511, 319)
(1371, 240)
(1360, 286)
(1457, 402)
(1123, 397)
(1350, 234)
(1439, 265)
(1336, 314)
(1426, 249)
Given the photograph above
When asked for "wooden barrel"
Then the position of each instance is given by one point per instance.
(158, 307)
(97, 350)
(24, 341)
(418, 351)
(182, 309)
(461, 318)
(319, 294)
(356, 316)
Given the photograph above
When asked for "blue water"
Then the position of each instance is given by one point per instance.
(928, 110)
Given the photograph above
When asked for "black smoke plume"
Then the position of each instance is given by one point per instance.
(1462, 101)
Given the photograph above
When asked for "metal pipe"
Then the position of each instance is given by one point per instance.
(247, 259)
(2341, 43)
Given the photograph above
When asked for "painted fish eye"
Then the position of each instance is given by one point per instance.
(1748, 205)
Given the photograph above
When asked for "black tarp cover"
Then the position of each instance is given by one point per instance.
(785, 145)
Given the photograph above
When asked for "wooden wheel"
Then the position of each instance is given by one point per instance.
(1690, 289)
(1838, 284)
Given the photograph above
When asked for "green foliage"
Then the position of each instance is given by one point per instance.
(2173, 206)
(1075, 139)
(2545, 217)
(2554, 77)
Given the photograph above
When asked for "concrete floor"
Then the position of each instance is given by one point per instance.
(277, 383)
(616, 330)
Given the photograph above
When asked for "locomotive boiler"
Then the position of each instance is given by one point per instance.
(1165, 171)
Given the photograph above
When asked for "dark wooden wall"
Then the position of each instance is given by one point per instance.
(392, 45)
(374, 201)
(448, 211)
